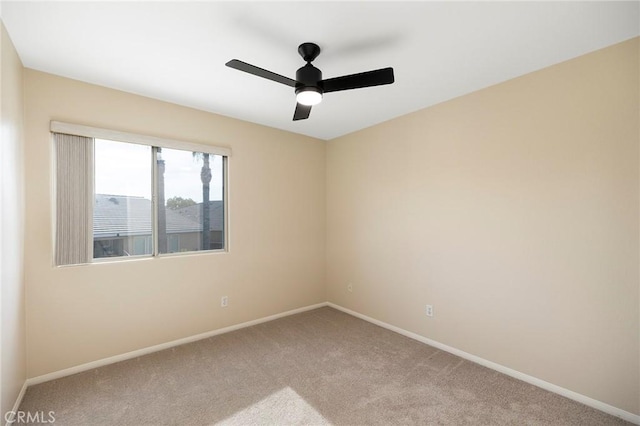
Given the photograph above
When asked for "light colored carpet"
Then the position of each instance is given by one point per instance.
(318, 367)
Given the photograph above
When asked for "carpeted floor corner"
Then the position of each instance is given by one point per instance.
(314, 368)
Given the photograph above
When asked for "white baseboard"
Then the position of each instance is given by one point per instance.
(151, 349)
(598, 405)
(16, 406)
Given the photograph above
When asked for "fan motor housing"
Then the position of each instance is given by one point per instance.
(308, 76)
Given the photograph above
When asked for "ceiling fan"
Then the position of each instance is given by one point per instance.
(309, 85)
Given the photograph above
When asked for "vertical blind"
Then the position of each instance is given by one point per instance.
(74, 199)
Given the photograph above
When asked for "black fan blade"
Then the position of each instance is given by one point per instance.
(356, 81)
(302, 112)
(260, 72)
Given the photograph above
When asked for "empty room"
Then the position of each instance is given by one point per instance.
(349, 213)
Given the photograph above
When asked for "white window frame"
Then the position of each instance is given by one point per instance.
(118, 136)
(152, 141)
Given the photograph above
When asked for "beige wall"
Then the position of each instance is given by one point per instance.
(514, 212)
(277, 232)
(12, 295)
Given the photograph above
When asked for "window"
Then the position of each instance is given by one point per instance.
(122, 195)
(193, 201)
(122, 207)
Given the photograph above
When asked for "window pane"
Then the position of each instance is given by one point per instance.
(122, 213)
(190, 202)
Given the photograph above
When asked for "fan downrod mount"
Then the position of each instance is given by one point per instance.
(309, 51)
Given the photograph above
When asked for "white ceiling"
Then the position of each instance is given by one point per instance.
(176, 51)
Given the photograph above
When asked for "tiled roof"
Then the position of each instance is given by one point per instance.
(194, 213)
(120, 215)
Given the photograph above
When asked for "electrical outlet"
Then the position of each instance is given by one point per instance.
(429, 310)
(224, 301)
(350, 288)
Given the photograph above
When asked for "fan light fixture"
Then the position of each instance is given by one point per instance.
(309, 96)
(309, 85)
